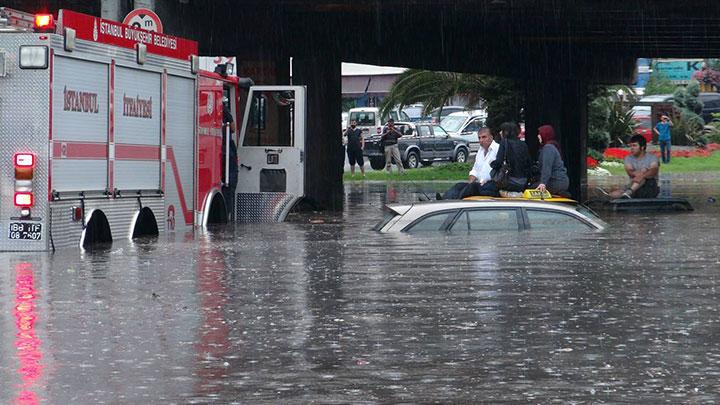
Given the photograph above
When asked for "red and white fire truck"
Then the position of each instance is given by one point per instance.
(108, 131)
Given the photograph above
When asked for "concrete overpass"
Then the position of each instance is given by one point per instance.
(557, 48)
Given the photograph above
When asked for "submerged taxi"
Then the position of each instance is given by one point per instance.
(532, 211)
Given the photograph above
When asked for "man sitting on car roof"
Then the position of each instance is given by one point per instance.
(479, 177)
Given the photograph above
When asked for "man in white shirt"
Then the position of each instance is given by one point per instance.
(479, 177)
(485, 155)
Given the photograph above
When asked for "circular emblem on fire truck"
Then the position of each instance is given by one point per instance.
(145, 19)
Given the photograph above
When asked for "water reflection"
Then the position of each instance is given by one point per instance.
(27, 343)
(213, 343)
(332, 312)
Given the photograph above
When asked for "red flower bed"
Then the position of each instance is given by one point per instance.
(620, 153)
(591, 163)
(616, 153)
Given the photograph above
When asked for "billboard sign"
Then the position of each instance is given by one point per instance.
(678, 71)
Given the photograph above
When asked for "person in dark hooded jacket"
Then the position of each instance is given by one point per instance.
(518, 156)
(553, 175)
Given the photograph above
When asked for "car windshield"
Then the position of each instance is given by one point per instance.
(415, 113)
(363, 118)
(452, 123)
(587, 212)
(388, 215)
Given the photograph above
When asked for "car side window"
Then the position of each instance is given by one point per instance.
(439, 131)
(431, 223)
(472, 126)
(424, 130)
(487, 220)
(540, 219)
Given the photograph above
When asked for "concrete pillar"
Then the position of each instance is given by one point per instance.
(574, 128)
(562, 104)
(112, 10)
(319, 70)
(148, 4)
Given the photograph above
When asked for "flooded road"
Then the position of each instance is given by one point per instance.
(332, 312)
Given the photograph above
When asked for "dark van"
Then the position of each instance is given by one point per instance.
(711, 104)
(663, 104)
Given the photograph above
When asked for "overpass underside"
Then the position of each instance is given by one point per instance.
(557, 48)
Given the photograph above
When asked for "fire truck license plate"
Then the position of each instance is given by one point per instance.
(25, 230)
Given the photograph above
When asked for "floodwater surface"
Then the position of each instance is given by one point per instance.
(323, 310)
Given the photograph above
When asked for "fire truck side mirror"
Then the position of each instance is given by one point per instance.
(141, 53)
(194, 64)
(69, 39)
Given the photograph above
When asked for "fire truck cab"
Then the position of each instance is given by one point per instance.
(109, 131)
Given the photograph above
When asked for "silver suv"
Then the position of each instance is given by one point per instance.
(465, 125)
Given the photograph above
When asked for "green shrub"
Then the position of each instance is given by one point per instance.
(688, 125)
(658, 83)
(595, 154)
(610, 119)
(687, 128)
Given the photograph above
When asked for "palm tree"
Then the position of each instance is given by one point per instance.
(501, 97)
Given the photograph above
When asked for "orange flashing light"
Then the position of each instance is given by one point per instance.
(24, 166)
(43, 20)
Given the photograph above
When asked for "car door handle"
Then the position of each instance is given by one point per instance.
(268, 150)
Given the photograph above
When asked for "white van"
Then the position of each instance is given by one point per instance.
(369, 121)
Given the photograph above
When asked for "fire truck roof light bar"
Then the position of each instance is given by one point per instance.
(44, 23)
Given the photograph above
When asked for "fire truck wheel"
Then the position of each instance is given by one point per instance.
(145, 224)
(97, 231)
(218, 212)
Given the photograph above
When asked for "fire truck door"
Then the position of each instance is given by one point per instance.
(271, 157)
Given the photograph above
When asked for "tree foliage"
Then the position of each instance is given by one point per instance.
(658, 83)
(610, 116)
(501, 97)
(688, 124)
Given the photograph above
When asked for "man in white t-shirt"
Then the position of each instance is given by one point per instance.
(479, 177)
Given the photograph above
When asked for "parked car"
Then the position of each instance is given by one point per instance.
(420, 144)
(663, 104)
(436, 116)
(711, 105)
(488, 215)
(344, 121)
(369, 119)
(414, 112)
(642, 116)
(465, 125)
